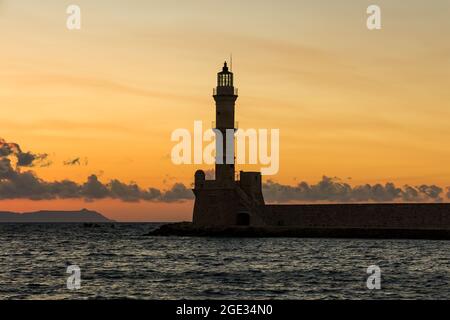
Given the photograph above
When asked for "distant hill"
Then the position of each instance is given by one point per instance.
(54, 216)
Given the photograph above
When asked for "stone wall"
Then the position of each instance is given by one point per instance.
(393, 216)
(215, 207)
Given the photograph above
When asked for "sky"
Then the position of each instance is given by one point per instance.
(366, 107)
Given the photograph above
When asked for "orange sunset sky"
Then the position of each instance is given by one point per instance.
(373, 106)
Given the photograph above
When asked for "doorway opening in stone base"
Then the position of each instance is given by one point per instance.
(243, 218)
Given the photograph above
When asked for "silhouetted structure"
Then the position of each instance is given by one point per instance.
(227, 202)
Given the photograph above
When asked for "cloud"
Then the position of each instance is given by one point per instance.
(332, 190)
(7, 148)
(28, 159)
(26, 185)
(433, 192)
(76, 162)
(72, 162)
(24, 159)
(178, 192)
(18, 184)
(6, 170)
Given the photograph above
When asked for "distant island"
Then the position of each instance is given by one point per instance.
(81, 216)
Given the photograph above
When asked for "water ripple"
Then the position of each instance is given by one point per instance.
(122, 263)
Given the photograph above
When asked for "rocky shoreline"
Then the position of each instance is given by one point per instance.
(187, 229)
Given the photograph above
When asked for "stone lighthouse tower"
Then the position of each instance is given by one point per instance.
(225, 96)
(227, 201)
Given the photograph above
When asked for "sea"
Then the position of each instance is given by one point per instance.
(120, 261)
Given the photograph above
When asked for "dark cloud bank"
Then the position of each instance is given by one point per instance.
(332, 190)
(18, 184)
(26, 185)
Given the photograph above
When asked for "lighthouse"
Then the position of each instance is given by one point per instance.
(227, 201)
(227, 205)
(225, 96)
